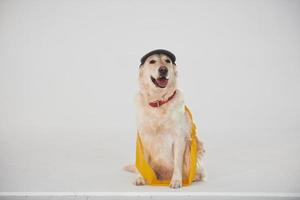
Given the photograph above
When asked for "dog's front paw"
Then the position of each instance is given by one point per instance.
(176, 184)
(140, 181)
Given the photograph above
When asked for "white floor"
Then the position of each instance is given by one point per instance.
(239, 164)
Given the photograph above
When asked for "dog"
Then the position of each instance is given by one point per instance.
(162, 124)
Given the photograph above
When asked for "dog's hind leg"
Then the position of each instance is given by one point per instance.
(130, 168)
(200, 170)
(139, 180)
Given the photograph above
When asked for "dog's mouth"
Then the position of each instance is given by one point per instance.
(160, 82)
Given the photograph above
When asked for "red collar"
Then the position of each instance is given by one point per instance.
(159, 103)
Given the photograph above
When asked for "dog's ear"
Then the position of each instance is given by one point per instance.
(140, 71)
(175, 69)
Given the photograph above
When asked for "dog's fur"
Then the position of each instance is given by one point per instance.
(165, 131)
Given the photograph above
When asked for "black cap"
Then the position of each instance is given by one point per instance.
(159, 51)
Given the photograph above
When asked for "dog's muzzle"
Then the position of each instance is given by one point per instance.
(162, 80)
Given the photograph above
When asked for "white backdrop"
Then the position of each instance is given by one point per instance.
(68, 78)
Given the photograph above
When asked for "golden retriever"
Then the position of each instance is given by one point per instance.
(163, 126)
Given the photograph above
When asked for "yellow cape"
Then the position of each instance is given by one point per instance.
(147, 172)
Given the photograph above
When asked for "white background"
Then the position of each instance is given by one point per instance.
(68, 78)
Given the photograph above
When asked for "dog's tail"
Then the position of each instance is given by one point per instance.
(130, 168)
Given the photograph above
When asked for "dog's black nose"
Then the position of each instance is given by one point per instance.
(163, 71)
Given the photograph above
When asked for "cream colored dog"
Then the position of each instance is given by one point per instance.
(163, 126)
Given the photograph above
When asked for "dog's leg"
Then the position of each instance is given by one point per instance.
(130, 168)
(179, 147)
(200, 170)
(140, 180)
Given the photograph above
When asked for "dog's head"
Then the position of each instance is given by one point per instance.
(158, 71)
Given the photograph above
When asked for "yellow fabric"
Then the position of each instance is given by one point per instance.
(147, 172)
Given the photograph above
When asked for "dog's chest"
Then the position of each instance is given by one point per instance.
(159, 147)
(157, 123)
(158, 136)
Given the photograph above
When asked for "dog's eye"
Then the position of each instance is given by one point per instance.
(167, 61)
(152, 61)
